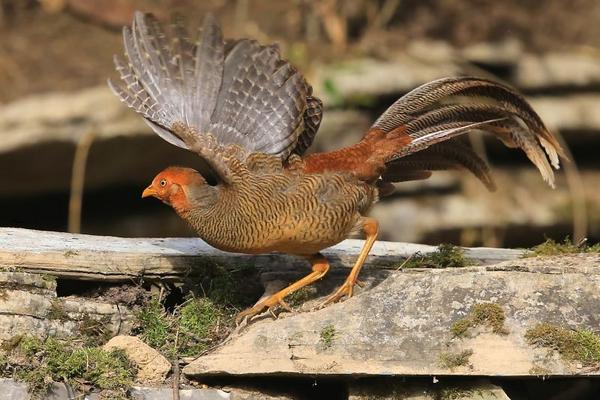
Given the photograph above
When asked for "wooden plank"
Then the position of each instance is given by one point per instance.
(108, 258)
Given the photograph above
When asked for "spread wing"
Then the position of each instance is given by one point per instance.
(241, 92)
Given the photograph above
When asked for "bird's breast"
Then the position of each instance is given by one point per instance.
(296, 215)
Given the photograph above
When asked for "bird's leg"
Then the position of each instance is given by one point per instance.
(319, 265)
(370, 229)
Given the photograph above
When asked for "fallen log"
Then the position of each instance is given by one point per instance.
(114, 259)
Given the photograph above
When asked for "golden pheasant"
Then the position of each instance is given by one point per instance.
(250, 116)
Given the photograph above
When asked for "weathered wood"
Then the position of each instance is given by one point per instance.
(116, 259)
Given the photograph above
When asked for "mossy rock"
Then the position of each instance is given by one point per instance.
(579, 345)
(446, 256)
(489, 315)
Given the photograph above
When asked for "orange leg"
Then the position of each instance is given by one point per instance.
(319, 265)
(370, 229)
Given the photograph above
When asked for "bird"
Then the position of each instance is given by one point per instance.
(251, 116)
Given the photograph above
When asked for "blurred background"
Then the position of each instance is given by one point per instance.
(73, 158)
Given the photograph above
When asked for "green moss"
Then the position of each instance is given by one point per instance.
(9, 344)
(37, 378)
(39, 363)
(453, 393)
(460, 327)
(327, 336)
(190, 329)
(49, 278)
(199, 321)
(216, 293)
(57, 311)
(297, 53)
(30, 345)
(552, 248)
(489, 314)
(231, 287)
(11, 269)
(95, 331)
(153, 324)
(454, 360)
(539, 371)
(446, 256)
(299, 297)
(482, 314)
(336, 98)
(582, 345)
(199, 316)
(356, 100)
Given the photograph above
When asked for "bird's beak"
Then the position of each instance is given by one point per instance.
(149, 191)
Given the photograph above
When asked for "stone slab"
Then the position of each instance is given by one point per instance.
(402, 326)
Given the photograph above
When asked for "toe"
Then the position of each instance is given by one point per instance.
(285, 305)
(268, 304)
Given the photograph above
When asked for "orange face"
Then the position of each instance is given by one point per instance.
(170, 185)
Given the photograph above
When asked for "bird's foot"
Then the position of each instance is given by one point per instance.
(269, 303)
(345, 290)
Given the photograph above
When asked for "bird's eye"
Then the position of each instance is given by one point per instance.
(163, 182)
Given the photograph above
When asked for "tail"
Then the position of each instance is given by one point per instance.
(435, 114)
(420, 133)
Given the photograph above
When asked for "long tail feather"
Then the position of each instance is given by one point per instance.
(447, 108)
(452, 154)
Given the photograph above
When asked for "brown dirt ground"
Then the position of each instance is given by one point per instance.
(41, 50)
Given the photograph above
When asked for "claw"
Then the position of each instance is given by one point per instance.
(345, 290)
(269, 303)
(285, 305)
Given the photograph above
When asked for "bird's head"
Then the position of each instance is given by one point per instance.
(174, 185)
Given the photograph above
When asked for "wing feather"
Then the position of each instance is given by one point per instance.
(240, 92)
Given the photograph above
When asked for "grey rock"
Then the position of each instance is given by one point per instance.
(29, 305)
(341, 128)
(12, 390)
(399, 71)
(49, 116)
(247, 394)
(118, 259)
(575, 112)
(383, 389)
(148, 393)
(522, 200)
(369, 78)
(44, 130)
(507, 52)
(573, 68)
(402, 326)
(143, 393)
(558, 69)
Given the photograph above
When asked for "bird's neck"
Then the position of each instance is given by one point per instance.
(195, 200)
(210, 211)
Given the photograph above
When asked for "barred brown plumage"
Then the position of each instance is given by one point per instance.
(250, 116)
